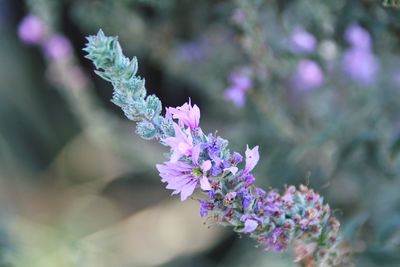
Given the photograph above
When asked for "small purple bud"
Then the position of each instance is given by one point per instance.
(236, 158)
(249, 179)
(308, 76)
(303, 41)
(57, 47)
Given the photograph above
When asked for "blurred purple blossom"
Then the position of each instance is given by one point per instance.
(302, 41)
(194, 52)
(359, 62)
(57, 47)
(358, 37)
(31, 30)
(240, 83)
(360, 65)
(308, 75)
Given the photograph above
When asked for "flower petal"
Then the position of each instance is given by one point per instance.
(252, 157)
(206, 166)
(205, 184)
(250, 225)
(187, 190)
(195, 154)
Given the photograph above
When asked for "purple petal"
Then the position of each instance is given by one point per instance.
(195, 154)
(206, 166)
(252, 157)
(205, 184)
(250, 225)
(187, 190)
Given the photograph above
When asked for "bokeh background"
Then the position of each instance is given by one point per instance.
(315, 83)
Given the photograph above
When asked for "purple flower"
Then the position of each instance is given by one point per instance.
(250, 225)
(249, 179)
(236, 158)
(247, 198)
(31, 30)
(303, 41)
(205, 207)
(181, 144)
(235, 95)
(358, 37)
(240, 84)
(308, 76)
(252, 157)
(57, 47)
(360, 65)
(214, 146)
(277, 240)
(186, 115)
(183, 177)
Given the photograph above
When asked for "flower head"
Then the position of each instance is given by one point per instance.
(57, 47)
(31, 30)
(183, 177)
(308, 76)
(303, 41)
(181, 144)
(358, 37)
(360, 65)
(186, 115)
(240, 84)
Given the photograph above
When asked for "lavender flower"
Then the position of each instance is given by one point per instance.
(31, 30)
(240, 84)
(359, 62)
(181, 144)
(358, 37)
(57, 47)
(360, 65)
(228, 193)
(308, 76)
(302, 41)
(186, 115)
(183, 177)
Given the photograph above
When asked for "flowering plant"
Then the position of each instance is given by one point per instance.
(203, 162)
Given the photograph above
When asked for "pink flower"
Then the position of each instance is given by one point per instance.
(186, 115)
(183, 177)
(252, 157)
(31, 30)
(240, 83)
(181, 144)
(303, 41)
(57, 47)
